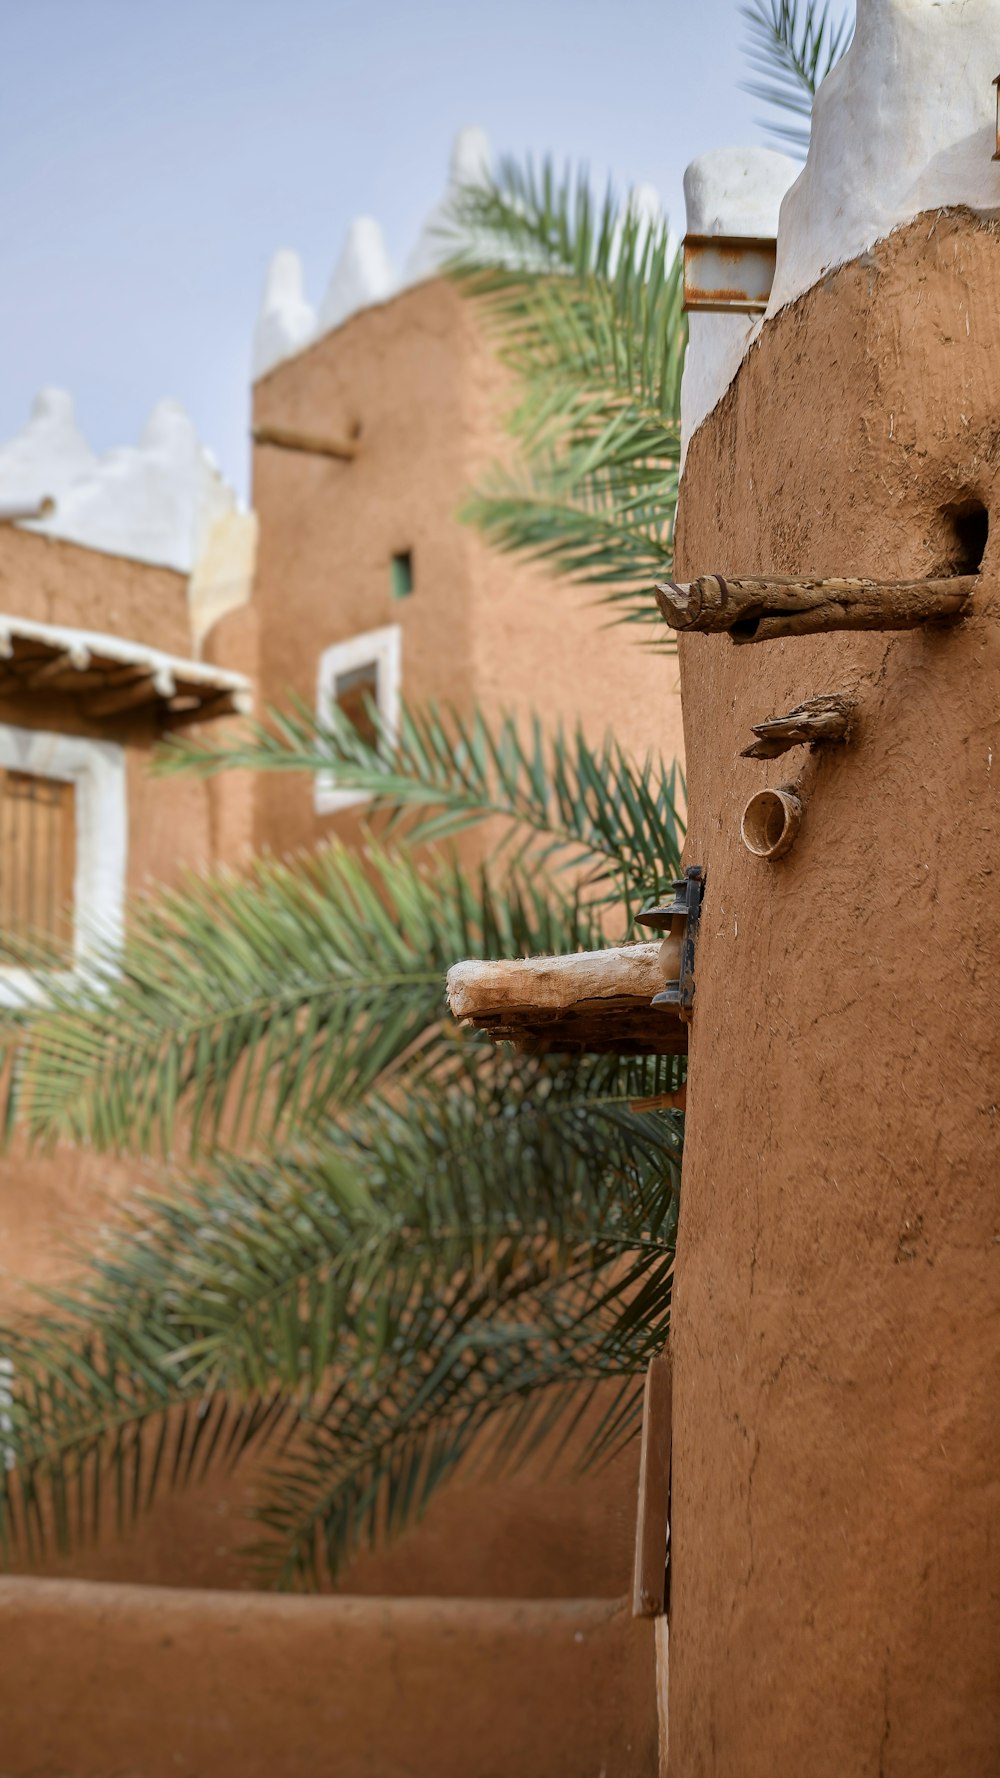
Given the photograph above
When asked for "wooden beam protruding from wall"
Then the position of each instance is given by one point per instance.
(762, 610)
(589, 1002)
(289, 438)
(817, 719)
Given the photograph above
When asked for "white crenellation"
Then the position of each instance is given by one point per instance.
(47, 455)
(471, 160)
(155, 502)
(904, 123)
(734, 192)
(286, 321)
(362, 275)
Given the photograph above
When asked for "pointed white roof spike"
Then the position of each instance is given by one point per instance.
(645, 202)
(471, 159)
(363, 274)
(286, 321)
(155, 501)
(646, 205)
(735, 192)
(47, 455)
(471, 156)
(904, 123)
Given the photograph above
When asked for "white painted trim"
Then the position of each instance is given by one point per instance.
(97, 771)
(384, 648)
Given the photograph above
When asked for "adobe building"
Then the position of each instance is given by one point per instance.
(371, 419)
(350, 576)
(102, 601)
(835, 1603)
(139, 600)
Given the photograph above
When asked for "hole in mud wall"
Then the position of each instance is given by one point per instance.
(966, 526)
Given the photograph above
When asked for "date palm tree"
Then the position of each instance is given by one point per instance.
(376, 1238)
(379, 1243)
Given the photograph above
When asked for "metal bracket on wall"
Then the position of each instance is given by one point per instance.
(679, 920)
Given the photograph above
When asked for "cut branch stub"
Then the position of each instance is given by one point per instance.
(760, 610)
(818, 719)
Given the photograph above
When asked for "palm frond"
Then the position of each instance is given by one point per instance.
(569, 806)
(374, 1303)
(585, 297)
(527, 219)
(793, 47)
(580, 526)
(247, 1006)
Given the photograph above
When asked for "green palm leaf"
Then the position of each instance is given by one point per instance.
(246, 1006)
(585, 297)
(375, 1303)
(560, 803)
(794, 47)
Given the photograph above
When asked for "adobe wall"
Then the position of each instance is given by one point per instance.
(544, 1532)
(49, 1205)
(836, 1596)
(174, 1684)
(415, 374)
(329, 527)
(418, 384)
(52, 582)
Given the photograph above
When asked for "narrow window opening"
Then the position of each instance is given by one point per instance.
(355, 693)
(360, 676)
(967, 528)
(401, 574)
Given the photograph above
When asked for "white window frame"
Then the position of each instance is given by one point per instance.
(382, 649)
(96, 769)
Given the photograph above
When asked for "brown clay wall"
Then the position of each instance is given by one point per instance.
(393, 376)
(543, 1533)
(328, 529)
(52, 582)
(836, 1594)
(50, 1205)
(417, 382)
(175, 1684)
(542, 643)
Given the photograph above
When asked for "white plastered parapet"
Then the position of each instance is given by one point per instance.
(904, 123)
(364, 274)
(727, 192)
(155, 502)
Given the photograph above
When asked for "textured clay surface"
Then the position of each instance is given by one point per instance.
(167, 1683)
(418, 386)
(836, 1598)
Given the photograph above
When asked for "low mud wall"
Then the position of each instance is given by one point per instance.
(171, 1683)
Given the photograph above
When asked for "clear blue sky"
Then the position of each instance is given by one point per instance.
(155, 152)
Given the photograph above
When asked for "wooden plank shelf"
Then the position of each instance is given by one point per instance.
(591, 1002)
